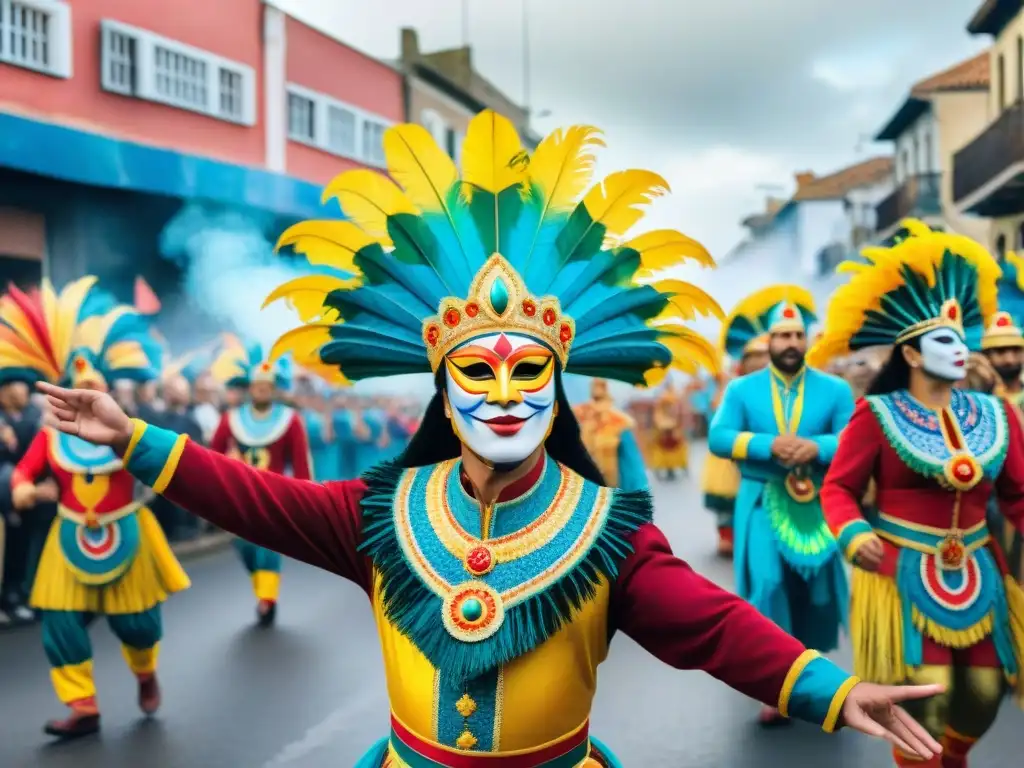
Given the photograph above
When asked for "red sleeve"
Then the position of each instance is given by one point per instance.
(1010, 483)
(317, 524)
(33, 464)
(298, 449)
(221, 439)
(849, 476)
(688, 622)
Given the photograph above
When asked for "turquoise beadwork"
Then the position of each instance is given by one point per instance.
(472, 609)
(499, 296)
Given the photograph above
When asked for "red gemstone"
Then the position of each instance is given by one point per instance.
(565, 333)
(549, 316)
(529, 308)
(472, 310)
(788, 313)
(951, 313)
(479, 561)
(1002, 321)
(433, 333)
(451, 318)
(79, 364)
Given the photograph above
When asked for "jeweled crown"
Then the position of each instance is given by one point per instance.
(498, 301)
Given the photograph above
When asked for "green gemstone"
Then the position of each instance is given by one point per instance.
(472, 609)
(499, 296)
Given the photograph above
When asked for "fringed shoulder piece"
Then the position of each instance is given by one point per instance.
(468, 623)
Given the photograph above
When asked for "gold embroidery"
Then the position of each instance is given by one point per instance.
(466, 706)
(466, 741)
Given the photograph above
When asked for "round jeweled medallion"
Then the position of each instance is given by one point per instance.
(472, 612)
(800, 487)
(479, 561)
(962, 472)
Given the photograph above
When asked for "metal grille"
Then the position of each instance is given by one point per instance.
(341, 130)
(231, 95)
(180, 79)
(373, 142)
(25, 35)
(301, 118)
(120, 62)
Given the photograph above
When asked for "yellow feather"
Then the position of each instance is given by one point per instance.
(68, 308)
(619, 201)
(327, 243)
(1018, 263)
(368, 198)
(690, 299)
(563, 165)
(48, 300)
(304, 343)
(27, 340)
(92, 332)
(759, 302)
(654, 376)
(126, 354)
(690, 350)
(306, 294)
(664, 248)
(230, 362)
(915, 227)
(422, 168)
(493, 158)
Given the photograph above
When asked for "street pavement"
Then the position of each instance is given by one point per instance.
(309, 693)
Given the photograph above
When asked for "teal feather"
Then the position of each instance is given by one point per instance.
(609, 268)
(418, 280)
(415, 610)
(643, 302)
(610, 352)
(495, 216)
(635, 331)
(372, 300)
(386, 335)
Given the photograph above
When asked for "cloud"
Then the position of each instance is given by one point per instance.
(718, 97)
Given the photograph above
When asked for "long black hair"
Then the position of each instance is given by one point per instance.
(895, 374)
(435, 441)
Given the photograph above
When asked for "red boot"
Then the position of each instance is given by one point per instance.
(725, 542)
(149, 693)
(266, 612)
(955, 747)
(84, 720)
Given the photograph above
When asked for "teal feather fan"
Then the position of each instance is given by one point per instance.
(514, 243)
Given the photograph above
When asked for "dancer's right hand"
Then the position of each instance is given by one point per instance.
(869, 555)
(91, 415)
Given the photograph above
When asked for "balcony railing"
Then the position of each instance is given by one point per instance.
(919, 195)
(999, 147)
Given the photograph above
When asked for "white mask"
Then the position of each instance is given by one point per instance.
(944, 354)
(501, 391)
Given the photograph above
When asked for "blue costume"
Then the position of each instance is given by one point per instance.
(787, 562)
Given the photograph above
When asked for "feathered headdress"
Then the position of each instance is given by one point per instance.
(239, 365)
(80, 334)
(928, 280)
(193, 364)
(769, 310)
(516, 243)
(1004, 330)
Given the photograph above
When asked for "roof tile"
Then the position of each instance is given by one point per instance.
(836, 185)
(967, 75)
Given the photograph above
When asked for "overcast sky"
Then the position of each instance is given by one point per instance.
(719, 97)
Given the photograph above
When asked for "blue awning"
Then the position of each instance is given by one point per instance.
(78, 156)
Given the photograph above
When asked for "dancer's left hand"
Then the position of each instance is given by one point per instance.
(873, 709)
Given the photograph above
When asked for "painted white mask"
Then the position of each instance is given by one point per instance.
(501, 390)
(944, 354)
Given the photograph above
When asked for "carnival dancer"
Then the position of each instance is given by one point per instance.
(105, 553)
(781, 426)
(609, 437)
(931, 597)
(669, 449)
(269, 436)
(497, 562)
(745, 342)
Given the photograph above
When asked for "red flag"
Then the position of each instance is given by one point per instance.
(146, 302)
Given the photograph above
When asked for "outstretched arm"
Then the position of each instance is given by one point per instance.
(688, 622)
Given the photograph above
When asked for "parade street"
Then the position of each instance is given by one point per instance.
(310, 692)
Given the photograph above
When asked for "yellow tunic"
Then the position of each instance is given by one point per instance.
(601, 427)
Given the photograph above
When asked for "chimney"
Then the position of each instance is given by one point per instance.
(410, 45)
(773, 205)
(803, 178)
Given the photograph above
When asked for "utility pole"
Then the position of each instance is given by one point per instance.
(526, 54)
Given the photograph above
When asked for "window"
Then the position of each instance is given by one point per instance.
(926, 161)
(1020, 69)
(36, 34)
(1001, 81)
(301, 118)
(139, 63)
(435, 124)
(1000, 248)
(460, 137)
(333, 126)
(450, 143)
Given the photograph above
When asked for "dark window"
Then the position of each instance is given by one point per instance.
(1000, 247)
(1001, 81)
(24, 273)
(450, 142)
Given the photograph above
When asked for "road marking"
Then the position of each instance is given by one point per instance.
(324, 733)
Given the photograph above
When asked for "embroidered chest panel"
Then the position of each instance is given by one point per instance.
(972, 435)
(258, 431)
(77, 457)
(470, 602)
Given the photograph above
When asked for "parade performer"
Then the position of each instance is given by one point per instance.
(669, 450)
(744, 341)
(931, 598)
(608, 435)
(269, 436)
(497, 562)
(781, 425)
(105, 553)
